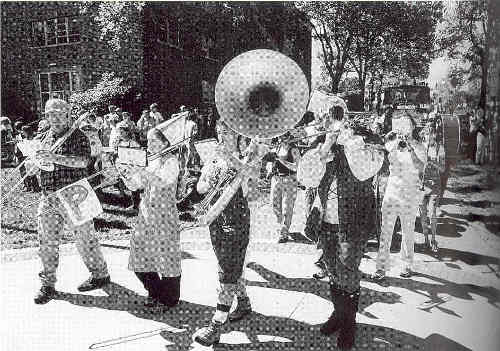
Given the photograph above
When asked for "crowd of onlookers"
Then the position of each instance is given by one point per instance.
(483, 146)
(108, 131)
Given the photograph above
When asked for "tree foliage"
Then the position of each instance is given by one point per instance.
(110, 89)
(374, 39)
(116, 20)
(468, 35)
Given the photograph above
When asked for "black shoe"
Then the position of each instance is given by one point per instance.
(94, 283)
(320, 274)
(283, 239)
(209, 335)
(406, 273)
(45, 294)
(331, 325)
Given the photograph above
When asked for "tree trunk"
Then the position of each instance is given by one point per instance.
(362, 82)
(484, 84)
(334, 86)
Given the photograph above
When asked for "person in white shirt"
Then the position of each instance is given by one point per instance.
(156, 114)
(402, 195)
(347, 219)
(144, 125)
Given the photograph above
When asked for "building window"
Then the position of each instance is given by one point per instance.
(207, 47)
(59, 84)
(56, 31)
(169, 32)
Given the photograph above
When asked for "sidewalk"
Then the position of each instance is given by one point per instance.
(452, 304)
(424, 313)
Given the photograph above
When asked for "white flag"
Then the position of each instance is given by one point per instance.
(321, 103)
(29, 148)
(207, 149)
(80, 202)
(174, 128)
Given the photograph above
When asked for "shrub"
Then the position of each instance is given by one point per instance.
(109, 90)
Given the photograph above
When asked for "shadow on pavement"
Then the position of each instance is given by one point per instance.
(450, 227)
(438, 292)
(470, 258)
(262, 332)
(462, 203)
(491, 222)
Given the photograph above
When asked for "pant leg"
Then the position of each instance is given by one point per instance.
(289, 197)
(170, 290)
(329, 239)
(390, 212)
(150, 280)
(241, 290)
(348, 274)
(88, 246)
(424, 215)
(408, 238)
(277, 198)
(225, 296)
(50, 226)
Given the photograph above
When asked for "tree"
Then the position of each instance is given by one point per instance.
(374, 39)
(468, 35)
(332, 27)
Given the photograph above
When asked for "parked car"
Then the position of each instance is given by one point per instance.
(8, 145)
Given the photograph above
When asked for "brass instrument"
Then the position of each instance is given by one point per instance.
(259, 94)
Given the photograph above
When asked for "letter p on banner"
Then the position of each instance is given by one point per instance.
(80, 201)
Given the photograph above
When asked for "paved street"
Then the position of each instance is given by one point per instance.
(452, 304)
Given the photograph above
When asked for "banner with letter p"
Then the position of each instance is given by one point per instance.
(80, 202)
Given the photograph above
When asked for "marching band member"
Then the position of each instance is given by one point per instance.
(284, 184)
(155, 254)
(70, 162)
(347, 220)
(402, 195)
(229, 234)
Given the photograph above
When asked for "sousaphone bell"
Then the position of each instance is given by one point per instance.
(261, 93)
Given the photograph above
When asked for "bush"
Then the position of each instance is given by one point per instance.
(109, 90)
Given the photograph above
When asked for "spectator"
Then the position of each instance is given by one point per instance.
(144, 125)
(123, 136)
(472, 138)
(211, 120)
(110, 120)
(481, 137)
(17, 129)
(155, 114)
(119, 112)
(30, 182)
(127, 119)
(43, 126)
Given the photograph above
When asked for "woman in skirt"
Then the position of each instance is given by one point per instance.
(155, 254)
(229, 234)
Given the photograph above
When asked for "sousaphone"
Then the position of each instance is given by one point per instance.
(261, 93)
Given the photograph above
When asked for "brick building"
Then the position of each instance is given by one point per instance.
(54, 49)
